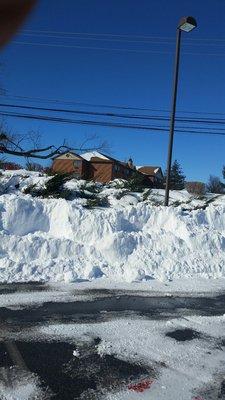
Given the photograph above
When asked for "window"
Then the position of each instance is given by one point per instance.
(77, 163)
(116, 168)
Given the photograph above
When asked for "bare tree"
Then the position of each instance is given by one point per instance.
(28, 146)
(215, 185)
(33, 166)
(196, 188)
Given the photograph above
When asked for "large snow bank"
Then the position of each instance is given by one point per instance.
(59, 240)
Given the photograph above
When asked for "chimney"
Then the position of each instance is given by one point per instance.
(130, 163)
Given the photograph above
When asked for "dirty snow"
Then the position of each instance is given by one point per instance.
(183, 369)
(131, 240)
(16, 384)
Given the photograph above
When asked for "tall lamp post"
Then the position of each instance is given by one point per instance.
(186, 24)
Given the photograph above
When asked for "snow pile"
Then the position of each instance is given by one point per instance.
(132, 240)
(15, 181)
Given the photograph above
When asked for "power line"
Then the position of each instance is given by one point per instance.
(123, 40)
(152, 41)
(90, 48)
(106, 124)
(117, 115)
(77, 103)
(98, 34)
(122, 107)
(114, 49)
(119, 35)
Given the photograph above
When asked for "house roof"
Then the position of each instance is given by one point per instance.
(67, 152)
(149, 170)
(94, 154)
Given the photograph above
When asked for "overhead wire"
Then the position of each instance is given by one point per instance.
(117, 115)
(112, 106)
(115, 49)
(118, 35)
(108, 124)
(106, 39)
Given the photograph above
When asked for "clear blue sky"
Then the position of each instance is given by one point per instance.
(137, 79)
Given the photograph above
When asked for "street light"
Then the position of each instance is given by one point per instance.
(186, 24)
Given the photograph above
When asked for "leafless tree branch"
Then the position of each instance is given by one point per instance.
(12, 145)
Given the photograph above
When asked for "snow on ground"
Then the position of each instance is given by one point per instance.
(61, 292)
(130, 240)
(183, 369)
(22, 299)
(16, 384)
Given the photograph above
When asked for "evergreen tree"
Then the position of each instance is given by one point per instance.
(177, 178)
(137, 182)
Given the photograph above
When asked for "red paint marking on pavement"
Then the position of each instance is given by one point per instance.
(198, 398)
(141, 386)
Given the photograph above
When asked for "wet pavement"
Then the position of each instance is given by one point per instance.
(67, 377)
(114, 304)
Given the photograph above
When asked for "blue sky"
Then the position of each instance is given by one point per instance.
(139, 77)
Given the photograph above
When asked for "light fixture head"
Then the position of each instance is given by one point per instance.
(187, 24)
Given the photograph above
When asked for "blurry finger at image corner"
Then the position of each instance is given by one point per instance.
(12, 15)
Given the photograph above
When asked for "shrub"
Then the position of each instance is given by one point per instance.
(97, 202)
(196, 188)
(121, 193)
(176, 203)
(156, 202)
(117, 184)
(48, 171)
(136, 183)
(202, 206)
(84, 194)
(53, 188)
(91, 187)
(32, 166)
(146, 194)
(32, 190)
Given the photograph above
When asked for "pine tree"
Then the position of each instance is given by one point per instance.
(177, 178)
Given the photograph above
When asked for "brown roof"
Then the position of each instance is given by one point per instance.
(149, 170)
(99, 159)
(108, 160)
(67, 152)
